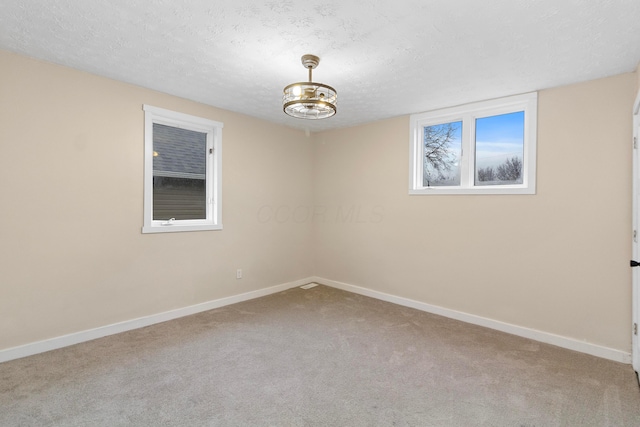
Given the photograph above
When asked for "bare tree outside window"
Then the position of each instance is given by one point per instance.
(442, 154)
(487, 174)
(510, 170)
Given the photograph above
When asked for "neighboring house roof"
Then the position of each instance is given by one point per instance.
(181, 153)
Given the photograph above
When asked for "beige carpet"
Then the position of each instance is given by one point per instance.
(317, 357)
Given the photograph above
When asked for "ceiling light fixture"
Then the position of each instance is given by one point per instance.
(309, 100)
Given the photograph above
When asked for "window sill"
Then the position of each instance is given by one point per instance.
(434, 191)
(176, 228)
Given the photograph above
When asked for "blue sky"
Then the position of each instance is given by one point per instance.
(498, 138)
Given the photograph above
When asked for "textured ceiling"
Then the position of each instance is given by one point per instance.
(385, 58)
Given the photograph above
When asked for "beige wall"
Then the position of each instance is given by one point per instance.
(335, 205)
(556, 261)
(72, 256)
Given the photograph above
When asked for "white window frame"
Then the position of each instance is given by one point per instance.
(213, 174)
(468, 114)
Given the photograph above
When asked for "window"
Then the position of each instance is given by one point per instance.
(482, 148)
(182, 172)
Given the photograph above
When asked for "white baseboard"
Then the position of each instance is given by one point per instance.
(141, 322)
(545, 337)
(103, 331)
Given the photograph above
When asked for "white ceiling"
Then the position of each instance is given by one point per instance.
(385, 58)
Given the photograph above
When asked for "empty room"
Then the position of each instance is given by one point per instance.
(337, 213)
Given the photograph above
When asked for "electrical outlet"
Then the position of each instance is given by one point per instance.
(239, 273)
